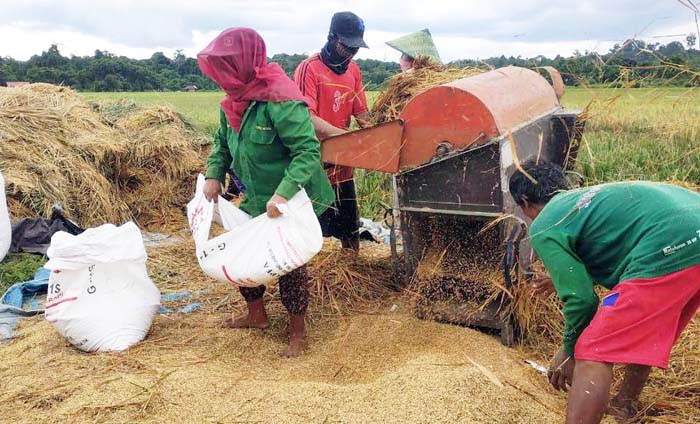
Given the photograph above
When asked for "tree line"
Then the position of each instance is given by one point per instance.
(634, 63)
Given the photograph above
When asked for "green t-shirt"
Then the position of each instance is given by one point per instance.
(610, 233)
(276, 151)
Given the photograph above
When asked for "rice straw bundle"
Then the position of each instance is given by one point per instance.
(404, 86)
(131, 163)
(162, 161)
(51, 149)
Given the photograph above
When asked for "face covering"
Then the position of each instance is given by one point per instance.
(237, 61)
(337, 56)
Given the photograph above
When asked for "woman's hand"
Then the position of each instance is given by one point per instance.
(272, 210)
(212, 190)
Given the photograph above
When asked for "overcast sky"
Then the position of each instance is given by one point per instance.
(461, 28)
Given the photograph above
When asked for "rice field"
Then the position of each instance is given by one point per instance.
(631, 134)
(202, 107)
(363, 359)
(634, 134)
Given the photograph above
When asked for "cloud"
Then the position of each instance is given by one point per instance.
(467, 28)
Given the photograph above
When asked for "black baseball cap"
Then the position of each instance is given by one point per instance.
(349, 28)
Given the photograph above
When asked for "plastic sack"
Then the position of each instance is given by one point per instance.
(253, 251)
(5, 228)
(100, 297)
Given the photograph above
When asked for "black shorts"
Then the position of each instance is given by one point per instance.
(342, 219)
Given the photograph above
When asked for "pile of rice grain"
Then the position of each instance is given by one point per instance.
(380, 367)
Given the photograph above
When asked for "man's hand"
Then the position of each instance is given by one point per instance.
(272, 210)
(336, 131)
(542, 284)
(212, 190)
(561, 371)
(363, 119)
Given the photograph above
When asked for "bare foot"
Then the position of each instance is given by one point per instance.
(246, 321)
(623, 410)
(297, 333)
(295, 347)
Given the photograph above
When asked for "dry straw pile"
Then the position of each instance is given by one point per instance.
(102, 167)
(340, 283)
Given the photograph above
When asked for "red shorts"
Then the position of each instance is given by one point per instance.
(640, 320)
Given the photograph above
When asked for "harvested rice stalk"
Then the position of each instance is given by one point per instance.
(403, 87)
(342, 282)
(131, 163)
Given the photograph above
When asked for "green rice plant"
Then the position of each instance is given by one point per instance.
(374, 193)
(18, 267)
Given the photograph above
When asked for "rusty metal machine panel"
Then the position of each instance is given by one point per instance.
(463, 184)
(377, 148)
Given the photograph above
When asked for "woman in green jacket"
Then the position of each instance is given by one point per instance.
(267, 137)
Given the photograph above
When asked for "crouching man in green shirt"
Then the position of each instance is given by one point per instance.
(641, 240)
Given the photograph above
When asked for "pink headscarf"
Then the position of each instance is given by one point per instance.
(237, 61)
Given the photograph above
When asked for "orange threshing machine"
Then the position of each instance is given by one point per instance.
(452, 152)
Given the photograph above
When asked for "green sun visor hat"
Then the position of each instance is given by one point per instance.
(416, 44)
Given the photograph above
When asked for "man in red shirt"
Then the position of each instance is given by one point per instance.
(332, 83)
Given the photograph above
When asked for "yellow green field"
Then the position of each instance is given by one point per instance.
(202, 107)
(646, 133)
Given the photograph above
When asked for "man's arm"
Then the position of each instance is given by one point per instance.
(323, 129)
(572, 282)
